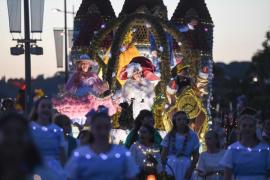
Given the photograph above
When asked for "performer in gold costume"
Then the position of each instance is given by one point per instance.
(182, 95)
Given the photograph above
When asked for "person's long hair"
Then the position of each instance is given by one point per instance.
(138, 123)
(139, 119)
(174, 128)
(33, 116)
(172, 133)
(30, 157)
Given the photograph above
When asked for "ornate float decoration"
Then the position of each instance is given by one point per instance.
(141, 29)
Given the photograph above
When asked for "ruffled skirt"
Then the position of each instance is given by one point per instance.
(77, 107)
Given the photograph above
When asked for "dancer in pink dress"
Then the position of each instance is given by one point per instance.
(85, 91)
(83, 81)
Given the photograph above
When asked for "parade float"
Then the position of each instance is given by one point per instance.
(172, 57)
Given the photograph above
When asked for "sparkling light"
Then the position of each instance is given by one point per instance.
(76, 154)
(88, 156)
(103, 26)
(103, 156)
(128, 153)
(117, 155)
(44, 128)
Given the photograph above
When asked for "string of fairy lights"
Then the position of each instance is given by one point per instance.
(102, 156)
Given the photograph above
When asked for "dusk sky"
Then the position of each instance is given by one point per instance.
(240, 27)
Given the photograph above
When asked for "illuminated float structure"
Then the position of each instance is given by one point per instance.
(143, 29)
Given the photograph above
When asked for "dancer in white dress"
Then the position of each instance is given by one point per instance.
(208, 165)
(138, 90)
(180, 151)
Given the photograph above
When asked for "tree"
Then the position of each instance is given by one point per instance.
(260, 98)
(261, 62)
(254, 82)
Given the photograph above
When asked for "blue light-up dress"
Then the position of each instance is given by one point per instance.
(49, 140)
(117, 164)
(247, 163)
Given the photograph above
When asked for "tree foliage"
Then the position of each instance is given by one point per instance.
(255, 84)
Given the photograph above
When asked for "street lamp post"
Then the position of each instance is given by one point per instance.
(65, 29)
(28, 94)
(26, 45)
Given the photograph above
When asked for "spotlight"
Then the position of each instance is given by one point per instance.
(36, 50)
(17, 50)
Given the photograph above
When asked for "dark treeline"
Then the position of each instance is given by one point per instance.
(10, 87)
(249, 79)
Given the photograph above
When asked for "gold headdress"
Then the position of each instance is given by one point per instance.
(179, 68)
